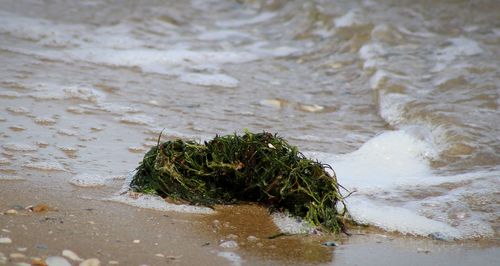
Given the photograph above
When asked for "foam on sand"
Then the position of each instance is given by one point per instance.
(157, 203)
(92, 180)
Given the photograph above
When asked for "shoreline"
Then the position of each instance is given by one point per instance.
(118, 233)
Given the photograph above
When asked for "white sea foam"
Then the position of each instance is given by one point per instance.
(378, 79)
(290, 224)
(351, 18)
(67, 132)
(10, 94)
(117, 108)
(390, 159)
(92, 180)
(234, 23)
(114, 46)
(458, 47)
(21, 147)
(222, 35)
(220, 80)
(19, 110)
(234, 258)
(157, 203)
(45, 121)
(372, 54)
(45, 166)
(88, 180)
(137, 119)
(388, 167)
(399, 219)
(391, 106)
(57, 92)
(168, 62)
(125, 195)
(11, 178)
(36, 29)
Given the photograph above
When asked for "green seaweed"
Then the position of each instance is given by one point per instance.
(259, 167)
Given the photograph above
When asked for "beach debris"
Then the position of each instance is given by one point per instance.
(39, 208)
(11, 212)
(275, 103)
(256, 167)
(16, 256)
(22, 249)
(279, 234)
(113, 262)
(330, 244)
(90, 262)
(136, 241)
(160, 255)
(38, 262)
(172, 257)
(216, 225)
(71, 255)
(57, 261)
(311, 108)
(5, 240)
(229, 244)
(252, 238)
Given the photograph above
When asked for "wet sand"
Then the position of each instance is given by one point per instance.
(118, 233)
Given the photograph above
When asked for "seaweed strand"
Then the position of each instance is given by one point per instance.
(258, 167)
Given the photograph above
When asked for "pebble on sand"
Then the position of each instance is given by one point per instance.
(330, 244)
(91, 262)
(11, 212)
(229, 244)
(16, 256)
(57, 261)
(5, 240)
(311, 108)
(40, 208)
(252, 238)
(71, 255)
(37, 262)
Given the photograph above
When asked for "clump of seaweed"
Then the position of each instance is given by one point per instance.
(259, 167)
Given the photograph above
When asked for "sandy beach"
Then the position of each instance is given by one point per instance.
(116, 233)
(401, 98)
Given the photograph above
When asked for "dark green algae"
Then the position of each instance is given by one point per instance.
(253, 167)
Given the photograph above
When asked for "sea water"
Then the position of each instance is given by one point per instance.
(400, 97)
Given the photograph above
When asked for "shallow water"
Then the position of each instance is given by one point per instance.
(401, 98)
